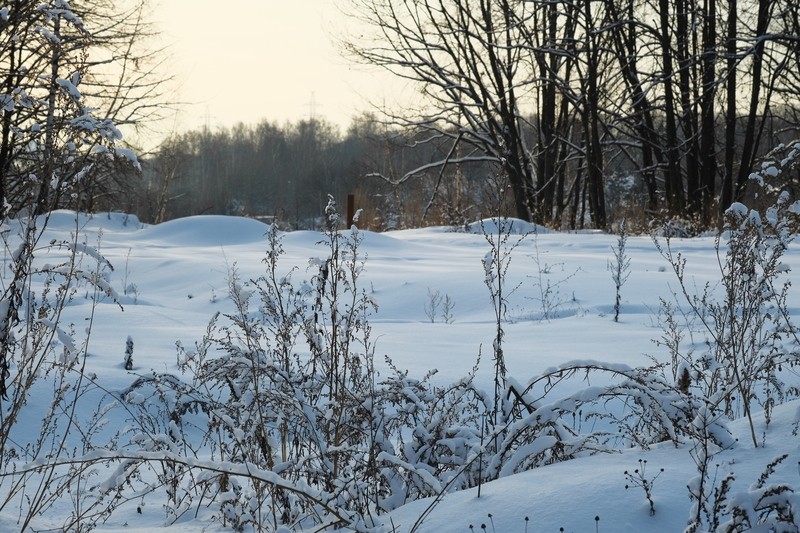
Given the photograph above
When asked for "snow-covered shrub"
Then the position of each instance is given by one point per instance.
(288, 386)
(634, 407)
(55, 141)
(530, 426)
(709, 435)
(165, 410)
(672, 227)
(433, 436)
(764, 507)
(745, 318)
(40, 355)
(775, 176)
(44, 371)
(128, 360)
(750, 343)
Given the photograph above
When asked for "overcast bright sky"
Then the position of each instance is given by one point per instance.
(248, 60)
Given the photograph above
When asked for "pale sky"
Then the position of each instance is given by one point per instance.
(248, 60)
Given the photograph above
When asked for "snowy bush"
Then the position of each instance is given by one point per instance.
(751, 343)
(745, 318)
(435, 436)
(285, 384)
(764, 506)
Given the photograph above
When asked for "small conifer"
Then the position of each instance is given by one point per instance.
(129, 353)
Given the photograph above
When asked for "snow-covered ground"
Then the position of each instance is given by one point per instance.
(173, 278)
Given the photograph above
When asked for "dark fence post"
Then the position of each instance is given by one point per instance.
(351, 209)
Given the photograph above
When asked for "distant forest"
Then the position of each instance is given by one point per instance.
(286, 172)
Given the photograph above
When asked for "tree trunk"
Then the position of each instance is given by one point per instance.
(708, 165)
(594, 151)
(548, 147)
(686, 77)
(43, 200)
(627, 56)
(750, 146)
(673, 181)
(730, 112)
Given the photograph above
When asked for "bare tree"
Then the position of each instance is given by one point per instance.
(46, 59)
(474, 76)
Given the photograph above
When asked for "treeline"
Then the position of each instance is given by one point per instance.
(263, 169)
(286, 172)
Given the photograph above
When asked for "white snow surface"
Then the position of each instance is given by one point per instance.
(179, 269)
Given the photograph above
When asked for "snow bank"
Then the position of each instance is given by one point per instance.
(205, 231)
(514, 226)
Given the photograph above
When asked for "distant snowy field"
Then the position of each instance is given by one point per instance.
(172, 278)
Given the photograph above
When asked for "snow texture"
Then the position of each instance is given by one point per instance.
(180, 270)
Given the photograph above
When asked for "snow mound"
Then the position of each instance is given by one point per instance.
(67, 221)
(206, 230)
(514, 226)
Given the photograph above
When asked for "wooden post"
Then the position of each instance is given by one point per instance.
(351, 209)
